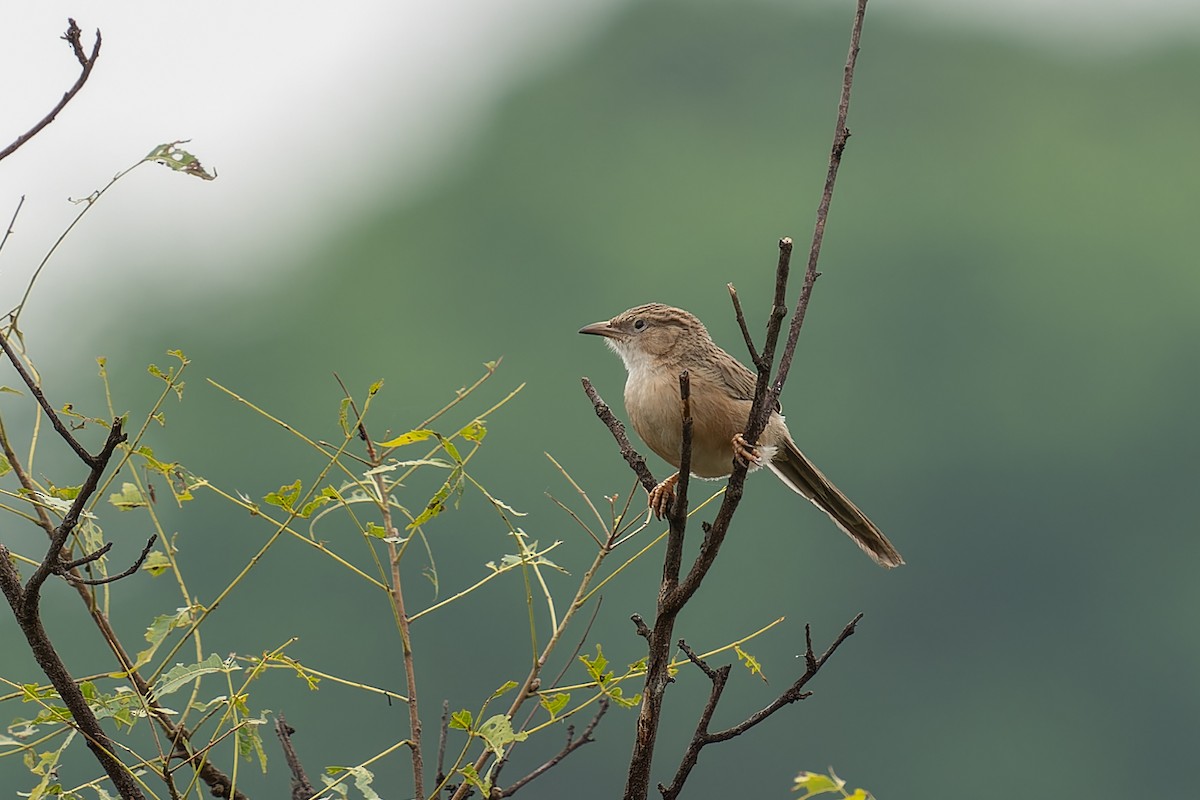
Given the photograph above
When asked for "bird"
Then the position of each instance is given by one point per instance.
(657, 342)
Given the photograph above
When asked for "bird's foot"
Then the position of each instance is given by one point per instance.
(663, 495)
(744, 453)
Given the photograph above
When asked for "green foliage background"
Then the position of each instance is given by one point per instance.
(999, 365)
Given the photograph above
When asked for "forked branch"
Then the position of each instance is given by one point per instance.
(675, 591)
(87, 62)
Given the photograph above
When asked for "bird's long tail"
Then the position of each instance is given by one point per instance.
(794, 469)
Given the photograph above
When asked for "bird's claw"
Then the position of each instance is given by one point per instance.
(662, 496)
(744, 453)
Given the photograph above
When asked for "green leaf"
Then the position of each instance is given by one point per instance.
(437, 503)
(181, 675)
(461, 720)
(156, 563)
(10, 390)
(555, 704)
(171, 155)
(363, 778)
(618, 697)
(507, 686)
(750, 661)
(286, 497)
(497, 732)
(156, 634)
(595, 667)
(814, 783)
(326, 495)
(5, 467)
(250, 744)
(64, 493)
(474, 432)
(129, 498)
(344, 415)
(409, 438)
(451, 450)
(378, 531)
(472, 777)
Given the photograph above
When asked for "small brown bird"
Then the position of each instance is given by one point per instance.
(657, 342)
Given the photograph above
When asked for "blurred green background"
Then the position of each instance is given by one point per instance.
(999, 366)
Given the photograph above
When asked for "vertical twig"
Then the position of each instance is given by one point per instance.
(840, 136)
(675, 592)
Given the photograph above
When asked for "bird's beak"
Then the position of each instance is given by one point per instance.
(604, 329)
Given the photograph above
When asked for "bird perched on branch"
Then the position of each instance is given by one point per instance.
(657, 342)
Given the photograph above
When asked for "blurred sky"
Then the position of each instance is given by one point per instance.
(312, 112)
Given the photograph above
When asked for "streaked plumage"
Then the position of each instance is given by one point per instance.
(656, 342)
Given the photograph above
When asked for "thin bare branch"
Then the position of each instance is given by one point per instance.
(12, 222)
(702, 737)
(111, 578)
(755, 358)
(40, 396)
(636, 462)
(840, 136)
(72, 36)
(570, 747)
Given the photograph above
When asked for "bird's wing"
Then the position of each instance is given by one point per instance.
(734, 376)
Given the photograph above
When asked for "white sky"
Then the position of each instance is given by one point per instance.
(310, 111)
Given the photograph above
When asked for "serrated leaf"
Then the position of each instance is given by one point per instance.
(497, 732)
(555, 703)
(437, 503)
(156, 563)
(63, 493)
(180, 160)
(363, 778)
(409, 438)
(506, 687)
(474, 432)
(472, 777)
(618, 697)
(160, 628)
(461, 720)
(181, 675)
(286, 497)
(129, 498)
(250, 744)
(750, 661)
(596, 666)
(814, 783)
(326, 495)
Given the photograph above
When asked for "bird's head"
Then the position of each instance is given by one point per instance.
(650, 333)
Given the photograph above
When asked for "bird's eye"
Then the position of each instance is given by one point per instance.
(639, 324)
